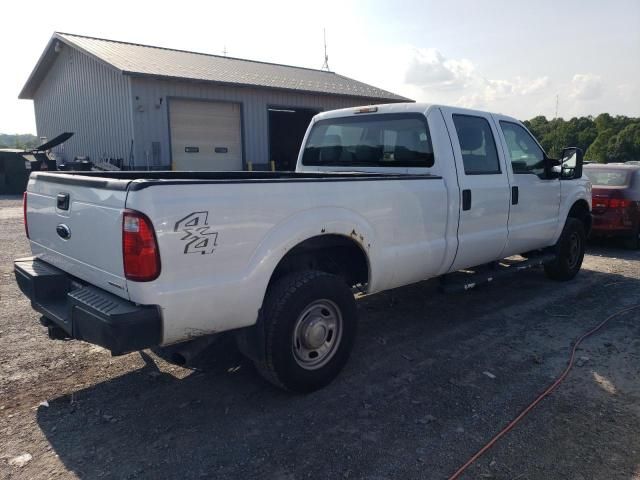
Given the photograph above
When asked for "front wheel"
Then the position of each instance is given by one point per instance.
(632, 242)
(309, 321)
(569, 252)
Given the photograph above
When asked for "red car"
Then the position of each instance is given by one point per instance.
(616, 201)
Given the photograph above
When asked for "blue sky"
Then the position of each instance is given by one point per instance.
(512, 56)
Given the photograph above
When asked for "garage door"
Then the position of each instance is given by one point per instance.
(205, 135)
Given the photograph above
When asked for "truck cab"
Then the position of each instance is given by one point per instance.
(506, 196)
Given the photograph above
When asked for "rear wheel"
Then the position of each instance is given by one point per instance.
(309, 321)
(569, 252)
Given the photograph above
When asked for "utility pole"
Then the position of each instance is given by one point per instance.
(557, 97)
(325, 65)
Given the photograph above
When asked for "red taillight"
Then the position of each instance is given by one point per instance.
(611, 203)
(24, 213)
(139, 247)
(619, 203)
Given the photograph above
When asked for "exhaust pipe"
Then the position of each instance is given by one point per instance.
(187, 351)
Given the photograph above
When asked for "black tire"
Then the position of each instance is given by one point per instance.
(632, 242)
(569, 252)
(294, 307)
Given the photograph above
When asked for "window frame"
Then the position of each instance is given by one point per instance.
(495, 145)
(544, 154)
(380, 164)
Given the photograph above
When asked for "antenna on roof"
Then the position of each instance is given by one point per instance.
(224, 50)
(325, 65)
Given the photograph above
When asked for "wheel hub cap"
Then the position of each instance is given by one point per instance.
(317, 334)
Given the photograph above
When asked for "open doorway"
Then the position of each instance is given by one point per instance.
(287, 127)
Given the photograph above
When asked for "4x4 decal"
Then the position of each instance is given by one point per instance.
(198, 235)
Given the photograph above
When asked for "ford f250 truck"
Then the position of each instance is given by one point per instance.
(382, 196)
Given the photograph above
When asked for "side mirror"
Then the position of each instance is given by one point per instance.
(571, 163)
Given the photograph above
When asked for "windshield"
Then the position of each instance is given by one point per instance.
(383, 140)
(607, 178)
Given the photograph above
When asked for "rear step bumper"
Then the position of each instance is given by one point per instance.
(86, 312)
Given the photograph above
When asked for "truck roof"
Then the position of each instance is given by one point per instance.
(408, 107)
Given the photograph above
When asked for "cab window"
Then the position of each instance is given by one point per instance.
(381, 140)
(478, 147)
(526, 155)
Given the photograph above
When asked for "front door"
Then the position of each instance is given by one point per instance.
(535, 206)
(484, 188)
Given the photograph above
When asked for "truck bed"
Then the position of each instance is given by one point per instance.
(245, 222)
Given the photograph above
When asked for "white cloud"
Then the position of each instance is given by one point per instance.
(586, 86)
(462, 83)
(534, 85)
(428, 68)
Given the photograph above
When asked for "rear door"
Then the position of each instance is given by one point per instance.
(535, 203)
(75, 224)
(484, 187)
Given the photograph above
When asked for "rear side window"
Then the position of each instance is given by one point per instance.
(477, 144)
(526, 155)
(601, 177)
(385, 140)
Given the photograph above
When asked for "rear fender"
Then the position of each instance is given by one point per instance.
(303, 226)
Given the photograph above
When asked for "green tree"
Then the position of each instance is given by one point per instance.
(604, 138)
(539, 125)
(604, 121)
(625, 145)
(597, 151)
(23, 141)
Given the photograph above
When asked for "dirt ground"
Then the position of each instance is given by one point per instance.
(431, 379)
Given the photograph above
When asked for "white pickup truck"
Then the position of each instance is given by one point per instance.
(382, 196)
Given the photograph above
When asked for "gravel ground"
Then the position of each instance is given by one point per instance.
(431, 379)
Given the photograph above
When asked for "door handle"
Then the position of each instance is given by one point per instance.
(514, 195)
(466, 199)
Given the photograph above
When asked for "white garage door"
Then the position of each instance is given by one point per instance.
(205, 135)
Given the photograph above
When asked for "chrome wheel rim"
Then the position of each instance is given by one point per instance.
(574, 250)
(317, 334)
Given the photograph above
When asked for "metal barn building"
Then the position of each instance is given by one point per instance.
(161, 108)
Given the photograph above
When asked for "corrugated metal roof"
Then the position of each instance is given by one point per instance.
(135, 59)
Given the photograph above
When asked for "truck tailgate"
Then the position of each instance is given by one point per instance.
(75, 224)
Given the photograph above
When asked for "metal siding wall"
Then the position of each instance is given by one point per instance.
(151, 123)
(81, 95)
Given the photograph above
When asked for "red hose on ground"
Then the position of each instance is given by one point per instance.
(548, 391)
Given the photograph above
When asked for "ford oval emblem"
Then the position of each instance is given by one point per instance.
(63, 231)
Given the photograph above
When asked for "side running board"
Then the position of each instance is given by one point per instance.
(466, 280)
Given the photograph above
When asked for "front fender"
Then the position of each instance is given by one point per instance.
(572, 192)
